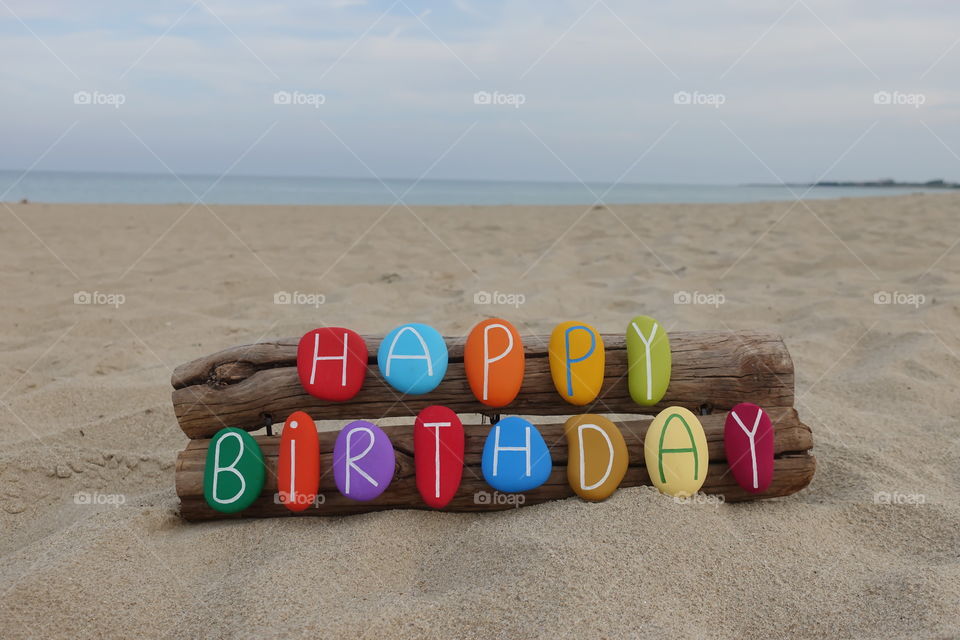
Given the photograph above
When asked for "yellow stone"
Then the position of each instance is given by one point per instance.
(597, 456)
(676, 453)
(576, 362)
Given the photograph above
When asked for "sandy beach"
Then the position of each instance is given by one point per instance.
(864, 292)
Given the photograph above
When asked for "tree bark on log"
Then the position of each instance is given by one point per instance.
(793, 469)
(250, 386)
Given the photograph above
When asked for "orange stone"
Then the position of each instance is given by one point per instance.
(493, 358)
(298, 469)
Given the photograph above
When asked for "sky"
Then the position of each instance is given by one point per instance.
(713, 92)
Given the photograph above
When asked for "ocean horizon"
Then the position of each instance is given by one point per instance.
(140, 188)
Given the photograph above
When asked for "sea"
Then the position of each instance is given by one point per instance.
(138, 188)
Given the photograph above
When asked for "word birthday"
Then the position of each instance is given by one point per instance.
(332, 365)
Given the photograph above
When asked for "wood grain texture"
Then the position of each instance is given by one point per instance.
(794, 468)
(249, 386)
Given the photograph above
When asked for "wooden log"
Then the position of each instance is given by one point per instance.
(793, 470)
(249, 386)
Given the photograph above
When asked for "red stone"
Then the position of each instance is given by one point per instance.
(332, 363)
(751, 467)
(438, 469)
(298, 469)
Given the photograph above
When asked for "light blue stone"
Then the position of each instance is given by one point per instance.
(413, 358)
(515, 457)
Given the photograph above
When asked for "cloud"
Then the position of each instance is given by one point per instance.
(598, 82)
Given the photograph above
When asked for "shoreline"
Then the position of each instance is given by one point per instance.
(598, 206)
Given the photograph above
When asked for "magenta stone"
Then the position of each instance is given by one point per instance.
(748, 441)
(363, 461)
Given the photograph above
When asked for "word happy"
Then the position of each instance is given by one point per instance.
(332, 365)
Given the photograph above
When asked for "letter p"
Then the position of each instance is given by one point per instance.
(573, 360)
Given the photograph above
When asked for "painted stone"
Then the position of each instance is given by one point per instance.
(648, 359)
(748, 441)
(363, 461)
(332, 363)
(493, 359)
(413, 358)
(438, 455)
(298, 467)
(597, 457)
(576, 362)
(233, 475)
(515, 457)
(676, 453)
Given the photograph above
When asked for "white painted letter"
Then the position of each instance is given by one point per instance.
(232, 468)
(436, 452)
(487, 360)
(497, 448)
(351, 459)
(317, 357)
(423, 345)
(646, 349)
(583, 463)
(753, 446)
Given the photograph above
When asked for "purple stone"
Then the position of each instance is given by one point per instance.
(363, 461)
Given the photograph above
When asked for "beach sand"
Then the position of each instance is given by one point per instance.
(85, 409)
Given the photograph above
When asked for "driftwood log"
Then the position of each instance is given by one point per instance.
(257, 385)
(793, 470)
(250, 386)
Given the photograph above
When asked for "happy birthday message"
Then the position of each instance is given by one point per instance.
(332, 365)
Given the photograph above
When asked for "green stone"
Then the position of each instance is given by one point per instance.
(234, 472)
(648, 358)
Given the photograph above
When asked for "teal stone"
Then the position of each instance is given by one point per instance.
(234, 473)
